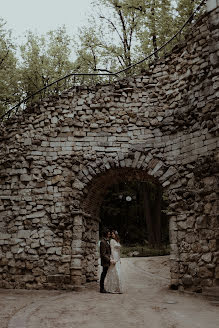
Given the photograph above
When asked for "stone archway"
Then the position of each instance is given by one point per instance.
(192, 238)
(55, 155)
(89, 217)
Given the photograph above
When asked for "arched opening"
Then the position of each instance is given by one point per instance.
(137, 210)
(124, 183)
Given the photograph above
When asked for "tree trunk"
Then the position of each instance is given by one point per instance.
(157, 217)
(153, 28)
(147, 213)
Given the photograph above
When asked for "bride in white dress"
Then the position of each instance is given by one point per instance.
(113, 277)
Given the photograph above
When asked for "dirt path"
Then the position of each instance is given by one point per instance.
(146, 302)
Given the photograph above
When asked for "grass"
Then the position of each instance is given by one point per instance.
(144, 251)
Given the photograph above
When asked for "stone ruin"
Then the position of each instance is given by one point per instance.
(59, 158)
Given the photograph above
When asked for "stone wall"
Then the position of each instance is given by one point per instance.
(59, 158)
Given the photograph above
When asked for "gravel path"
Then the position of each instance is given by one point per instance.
(146, 302)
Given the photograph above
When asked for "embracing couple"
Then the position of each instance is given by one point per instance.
(110, 279)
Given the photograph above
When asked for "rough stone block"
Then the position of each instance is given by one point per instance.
(4, 236)
(205, 273)
(38, 214)
(187, 280)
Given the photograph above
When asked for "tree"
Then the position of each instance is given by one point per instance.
(115, 34)
(121, 33)
(45, 59)
(125, 31)
(9, 76)
(157, 26)
(140, 218)
(88, 51)
(184, 9)
(145, 193)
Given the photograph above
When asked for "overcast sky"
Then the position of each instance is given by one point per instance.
(44, 15)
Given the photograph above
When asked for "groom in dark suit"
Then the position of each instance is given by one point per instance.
(105, 252)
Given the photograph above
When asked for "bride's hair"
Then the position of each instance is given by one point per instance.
(116, 235)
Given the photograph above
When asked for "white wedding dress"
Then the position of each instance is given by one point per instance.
(113, 278)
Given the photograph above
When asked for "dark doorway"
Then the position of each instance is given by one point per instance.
(137, 211)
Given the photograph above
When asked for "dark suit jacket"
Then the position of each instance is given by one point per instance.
(105, 252)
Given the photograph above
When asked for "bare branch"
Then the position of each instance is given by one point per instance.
(123, 28)
(94, 58)
(113, 25)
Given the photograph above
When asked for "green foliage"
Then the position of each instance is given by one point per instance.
(120, 33)
(184, 9)
(157, 26)
(9, 93)
(115, 25)
(125, 31)
(143, 251)
(89, 53)
(44, 60)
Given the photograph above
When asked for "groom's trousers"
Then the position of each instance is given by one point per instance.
(103, 276)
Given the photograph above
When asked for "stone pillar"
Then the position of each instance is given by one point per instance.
(76, 267)
(174, 255)
(91, 251)
(212, 4)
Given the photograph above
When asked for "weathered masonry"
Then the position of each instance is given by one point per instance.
(59, 158)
